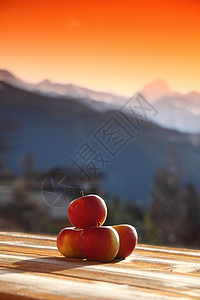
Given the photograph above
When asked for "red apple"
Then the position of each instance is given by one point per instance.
(99, 243)
(127, 239)
(68, 242)
(87, 211)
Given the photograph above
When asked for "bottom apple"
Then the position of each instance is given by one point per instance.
(99, 243)
(127, 239)
(68, 242)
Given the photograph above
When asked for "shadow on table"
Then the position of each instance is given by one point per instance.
(52, 264)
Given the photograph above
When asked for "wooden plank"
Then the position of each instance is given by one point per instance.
(31, 266)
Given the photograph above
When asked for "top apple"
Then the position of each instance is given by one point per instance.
(87, 211)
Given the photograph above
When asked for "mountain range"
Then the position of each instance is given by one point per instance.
(54, 127)
(175, 110)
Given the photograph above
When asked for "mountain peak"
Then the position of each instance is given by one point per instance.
(193, 94)
(156, 89)
(160, 84)
(4, 74)
(45, 81)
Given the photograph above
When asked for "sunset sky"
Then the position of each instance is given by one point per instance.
(107, 45)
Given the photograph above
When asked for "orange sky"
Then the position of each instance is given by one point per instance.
(107, 45)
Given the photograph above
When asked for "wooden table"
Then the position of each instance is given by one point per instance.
(32, 268)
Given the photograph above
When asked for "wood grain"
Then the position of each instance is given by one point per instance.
(32, 268)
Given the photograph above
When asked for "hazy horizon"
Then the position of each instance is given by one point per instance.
(158, 80)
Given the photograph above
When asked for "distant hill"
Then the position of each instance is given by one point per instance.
(175, 110)
(54, 128)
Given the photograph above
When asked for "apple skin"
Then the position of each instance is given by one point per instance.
(99, 243)
(127, 239)
(68, 242)
(87, 211)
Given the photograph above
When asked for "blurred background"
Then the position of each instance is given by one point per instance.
(101, 96)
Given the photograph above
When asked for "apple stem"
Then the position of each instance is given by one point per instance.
(82, 193)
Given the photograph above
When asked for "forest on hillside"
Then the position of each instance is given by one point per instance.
(171, 216)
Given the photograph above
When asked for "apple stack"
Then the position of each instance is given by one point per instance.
(88, 238)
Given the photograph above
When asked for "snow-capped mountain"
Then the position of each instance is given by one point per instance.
(175, 110)
(75, 91)
(9, 78)
(156, 90)
(97, 100)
